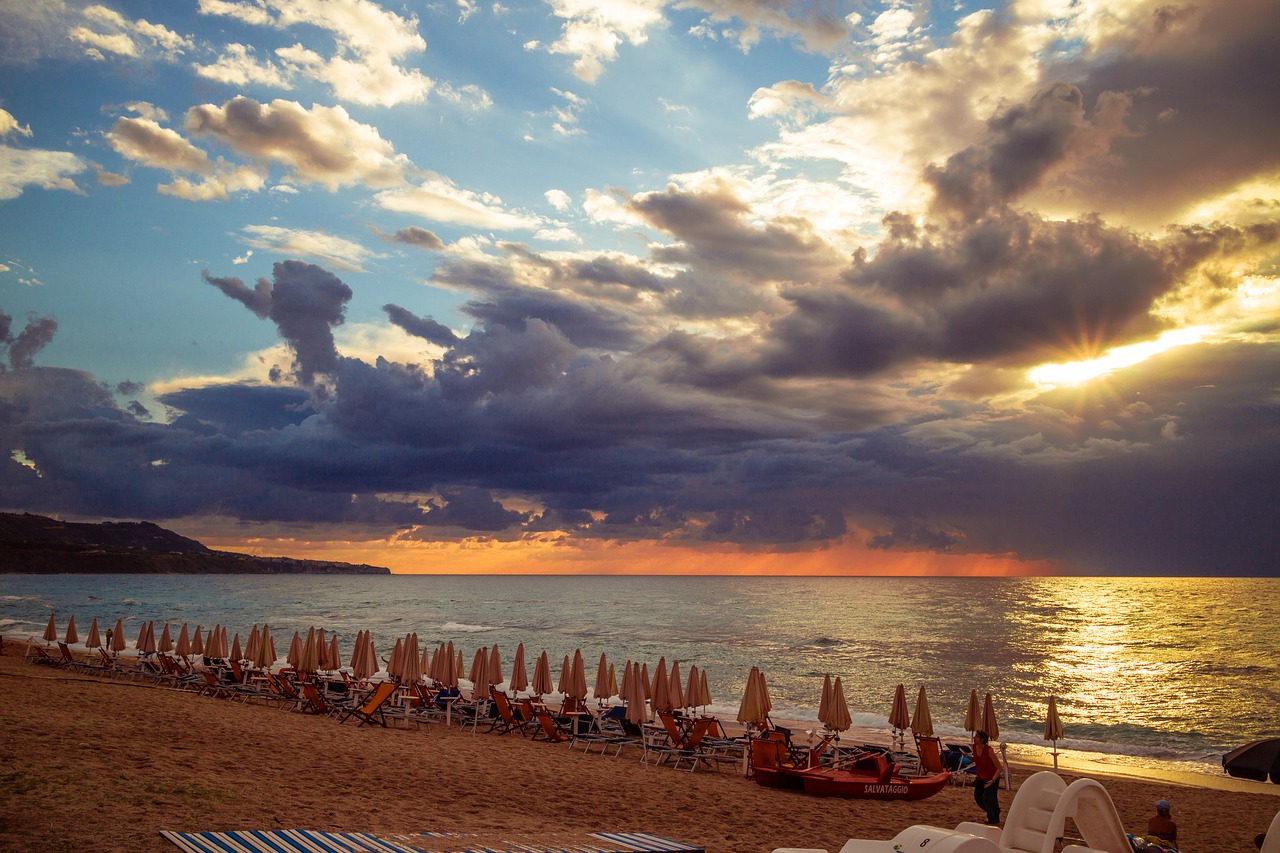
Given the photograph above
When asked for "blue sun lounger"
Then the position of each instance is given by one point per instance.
(313, 841)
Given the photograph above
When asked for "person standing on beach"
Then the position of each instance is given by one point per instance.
(986, 786)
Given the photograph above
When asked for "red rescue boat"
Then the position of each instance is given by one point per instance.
(869, 776)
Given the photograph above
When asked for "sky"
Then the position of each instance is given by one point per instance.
(649, 286)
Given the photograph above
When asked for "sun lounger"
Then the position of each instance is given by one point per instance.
(1037, 819)
(38, 654)
(313, 841)
(373, 708)
(506, 719)
(551, 729)
(1271, 844)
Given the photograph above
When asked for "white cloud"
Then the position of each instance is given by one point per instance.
(370, 43)
(594, 29)
(49, 170)
(110, 32)
(237, 66)
(335, 252)
(9, 124)
(438, 199)
(144, 141)
(559, 199)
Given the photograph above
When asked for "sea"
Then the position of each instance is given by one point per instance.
(1148, 673)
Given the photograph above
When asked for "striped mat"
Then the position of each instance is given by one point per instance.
(312, 841)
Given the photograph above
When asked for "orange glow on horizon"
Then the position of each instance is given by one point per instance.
(591, 557)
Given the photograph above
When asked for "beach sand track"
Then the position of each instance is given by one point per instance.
(90, 764)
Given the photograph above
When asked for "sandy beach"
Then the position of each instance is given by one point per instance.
(92, 763)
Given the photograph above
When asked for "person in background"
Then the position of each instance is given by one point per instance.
(1162, 825)
(986, 785)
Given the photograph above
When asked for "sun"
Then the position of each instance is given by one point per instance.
(1080, 372)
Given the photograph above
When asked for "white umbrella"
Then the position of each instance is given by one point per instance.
(1053, 728)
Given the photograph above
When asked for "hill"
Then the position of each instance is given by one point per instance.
(41, 545)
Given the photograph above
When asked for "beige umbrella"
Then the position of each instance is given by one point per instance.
(73, 636)
(479, 675)
(613, 682)
(93, 641)
(397, 654)
(628, 675)
(973, 713)
(542, 675)
(675, 691)
(333, 660)
(51, 631)
(989, 724)
(166, 641)
(411, 662)
(824, 704)
(899, 716)
(251, 646)
(601, 690)
(322, 651)
(266, 656)
(705, 694)
(146, 639)
(660, 701)
(495, 666)
(921, 721)
(425, 663)
(460, 665)
(294, 657)
(644, 681)
(633, 693)
(693, 689)
(236, 652)
(837, 719)
(1053, 728)
(564, 685)
(355, 650)
(309, 656)
(437, 663)
(197, 643)
(183, 648)
(578, 677)
(519, 674)
(755, 707)
(450, 668)
(118, 643)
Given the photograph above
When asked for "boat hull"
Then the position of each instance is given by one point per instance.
(850, 785)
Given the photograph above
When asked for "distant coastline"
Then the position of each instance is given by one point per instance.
(40, 545)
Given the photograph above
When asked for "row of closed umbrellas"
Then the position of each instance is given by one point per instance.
(664, 692)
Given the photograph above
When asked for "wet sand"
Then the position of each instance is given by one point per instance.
(90, 763)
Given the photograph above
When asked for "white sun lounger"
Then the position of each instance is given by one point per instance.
(1036, 821)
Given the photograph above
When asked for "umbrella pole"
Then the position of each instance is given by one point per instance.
(1004, 764)
(1055, 755)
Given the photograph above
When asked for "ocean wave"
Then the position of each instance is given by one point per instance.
(19, 598)
(463, 628)
(824, 642)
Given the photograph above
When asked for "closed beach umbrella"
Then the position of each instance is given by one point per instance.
(425, 663)
(1053, 728)
(519, 674)
(309, 656)
(838, 719)
(118, 643)
(542, 675)
(675, 690)
(989, 724)
(921, 720)
(706, 690)
(601, 689)
(397, 652)
(183, 648)
(661, 699)
(166, 641)
(355, 650)
(495, 666)
(693, 689)
(411, 663)
(973, 713)
(197, 643)
(236, 652)
(566, 677)
(359, 659)
(460, 666)
(266, 656)
(644, 681)
(613, 682)
(899, 716)
(450, 669)
(146, 644)
(634, 694)
(755, 707)
(824, 704)
(479, 675)
(578, 677)
(51, 630)
(72, 635)
(333, 660)
(627, 678)
(294, 655)
(251, 646)
(93, 641)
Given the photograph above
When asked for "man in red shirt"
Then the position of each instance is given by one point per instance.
(987, 784)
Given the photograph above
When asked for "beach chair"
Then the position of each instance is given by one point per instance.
(38, 654)
(552, 730)
(214, 687)
(373, 708)
(67, 660)
(929, 749)
(506, 719)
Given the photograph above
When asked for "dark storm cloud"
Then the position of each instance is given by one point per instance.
(470, 509)
(235, 409)
(306, 302)
(420, 327)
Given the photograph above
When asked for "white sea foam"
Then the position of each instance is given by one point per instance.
(462, 628)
